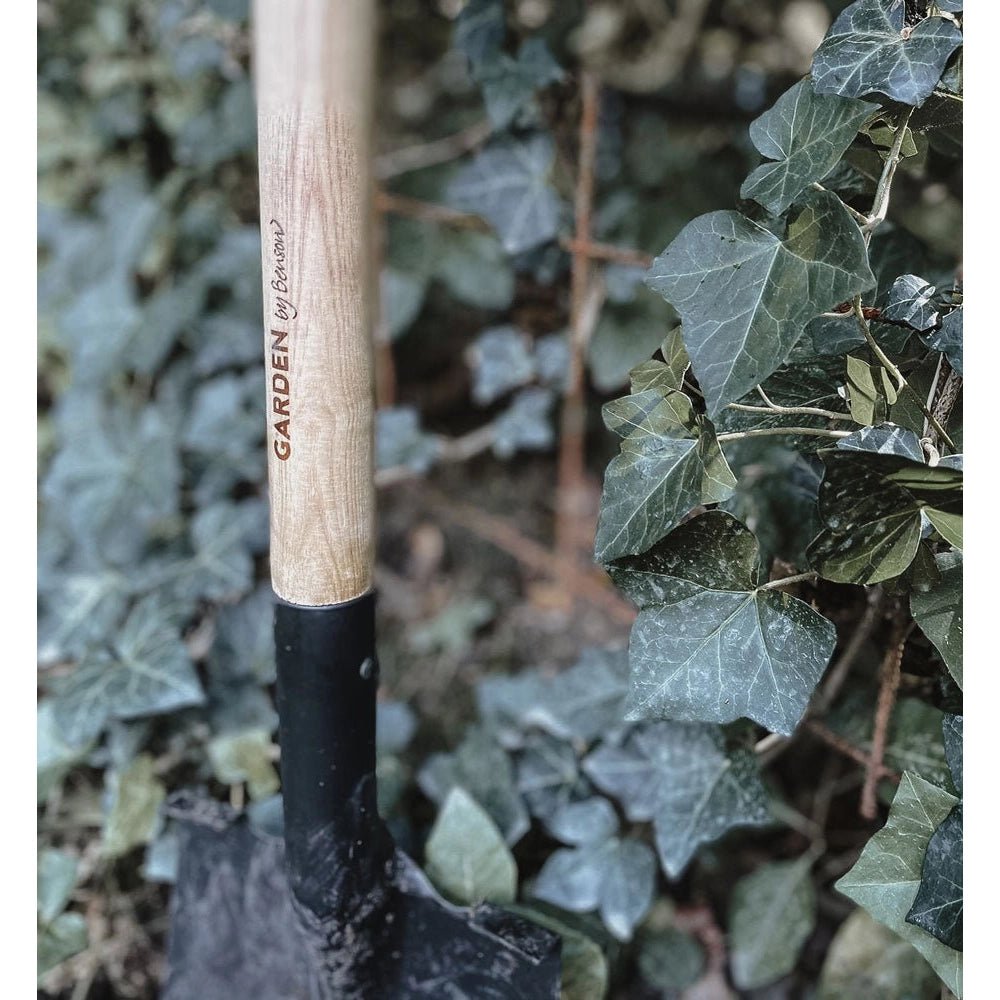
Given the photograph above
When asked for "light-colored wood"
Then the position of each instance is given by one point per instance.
(313, 68)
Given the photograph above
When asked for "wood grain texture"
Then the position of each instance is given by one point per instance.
(313, 62)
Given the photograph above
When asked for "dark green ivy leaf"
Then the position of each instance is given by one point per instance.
(548, 775)
(145, 670)
(947, 338)
(938, 612)
(508, 184)
(884, 439)
(745, 294)
(680, 776)
(871, 507)
(482, 768)
(670, 960)
(911, 301)
(670, 461)
(886, 877)
(952, 730)
(814, 382)
(771, 914)
(871, 50)
(474, 269)
(509, 84)
(806, 134)
(711, 644)
(938, 906)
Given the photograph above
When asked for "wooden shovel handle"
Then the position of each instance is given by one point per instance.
(314, 62)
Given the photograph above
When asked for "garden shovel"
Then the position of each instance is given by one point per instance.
(330, 909)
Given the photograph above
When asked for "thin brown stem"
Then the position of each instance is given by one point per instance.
(571, 493)
(458, 449)
(427, 211)
(862, 633)
(888, 688)
(430, 154)
(606, 252)
(589, 585)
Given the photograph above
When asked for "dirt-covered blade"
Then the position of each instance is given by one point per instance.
(238, 933)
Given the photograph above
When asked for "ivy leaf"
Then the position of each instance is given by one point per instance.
(868, 389)
(806, 133)
(61, 933)
(871, 507)
(771, 914)
(222, 566)
(669, 462)
(134, 815)
(814, 382)
(245, 756)
(475, 269)
(55, 755)
(867, 960)
(871, 50)
(938, 906)
(146, 670)
(467, 858)
(886, 877)
(938, 612)
(621, 340)
(401, 296)
(501, 360)
(80, 610)
(588, 700)
(745, 294)
(952, 729)
(616, 877)
(114, 479)
(776, 493)
(680, 776)
(710, 643)
(60, 939)
(481, 767)
(581, 703)
(548, 775)
(884, 439)
(480, 29)
(589, 821)
(508, 184)
(670, 960)
(525, 424)
(947, 338)
(911, 301)
(509, 84)
(244, 639)
(56, 881)
(400, 441)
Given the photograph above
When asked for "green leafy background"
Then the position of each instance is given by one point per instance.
(624, 792)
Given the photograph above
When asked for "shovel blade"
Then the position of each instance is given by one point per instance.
(238, 933)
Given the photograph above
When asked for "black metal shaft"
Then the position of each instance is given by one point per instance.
(327, 681)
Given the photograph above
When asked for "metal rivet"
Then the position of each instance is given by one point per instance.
(367, 668)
